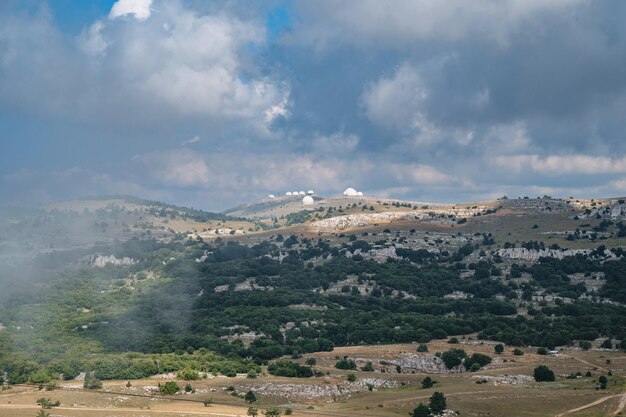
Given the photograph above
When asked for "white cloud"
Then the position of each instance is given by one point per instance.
(140, 9)
(421, 174)
(335, 144)
(563, 164)
(179, 168)
(92, 41)
(396, 101)
(371, 22)
(191, 141)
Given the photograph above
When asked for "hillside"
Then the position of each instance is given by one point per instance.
(110, 276)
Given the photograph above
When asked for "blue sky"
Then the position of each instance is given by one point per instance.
(208, 104)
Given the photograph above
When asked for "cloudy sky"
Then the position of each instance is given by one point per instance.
(208, 104)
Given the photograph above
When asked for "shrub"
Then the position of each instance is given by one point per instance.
(518, 352)
(345, 364)
(289, 369)
(169, 388)
(499, 348)
(584, 344)
(188, 374)
(422, 348)
(476, 361)
(208, 401)
(311, 361)
(47, 404)
(351, 377)
(369, 367)
(453, 340)
(543, 373)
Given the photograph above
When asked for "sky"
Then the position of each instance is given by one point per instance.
(212, 103)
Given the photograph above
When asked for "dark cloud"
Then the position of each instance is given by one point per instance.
(413, 99)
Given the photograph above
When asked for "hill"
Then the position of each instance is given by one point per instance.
(130, 288)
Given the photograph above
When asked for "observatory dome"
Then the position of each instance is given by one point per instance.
(295, 193)
(350, 192)
(360, 194)
(302, 193)
(288, 193)
(310, 192)
(271, 196)
(307, 200)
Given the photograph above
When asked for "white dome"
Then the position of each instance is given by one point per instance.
(288, 193)
(301, 193)
(271, 196)
(307, 200)
(310, 192)
(360, 193)
(351, 192)
(295, 193)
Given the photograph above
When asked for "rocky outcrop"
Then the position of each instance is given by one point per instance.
(297, 392)
(612, 211)
(533, 255)
(505, 379)
(430, 364)
(102, 261)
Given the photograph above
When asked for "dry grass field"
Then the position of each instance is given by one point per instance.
(577, 397)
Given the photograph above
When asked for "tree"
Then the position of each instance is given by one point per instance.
(607, 344)
(499, 348)
(250, 397)
(543, 373)
(422, 348)
(208, 401)
(421, 411)
(428, 382)
(603, 380)
(438, 402)
(518, 352)
(311, 361)
(453, 357)
(351, 378)
(584, 344)
(253, 412)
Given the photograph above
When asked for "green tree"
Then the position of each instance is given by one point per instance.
(428, 382)
(311, 361)
(250, 397)
(208, 401)
(518, 352)
(543, 373)
(351, 378)
(253, 412)
(422, 348)
(603, 380)
(499, 348)
(421, 411)
(438, 402)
